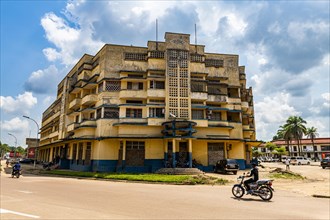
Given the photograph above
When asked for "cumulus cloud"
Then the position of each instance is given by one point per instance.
(16, 125)
(43, 81)
(71, 42)
(20, 104)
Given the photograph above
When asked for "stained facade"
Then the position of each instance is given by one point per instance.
(138, 109)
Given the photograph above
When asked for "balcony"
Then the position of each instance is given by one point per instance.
(132, 94)
(245, 106)
(89, 99)
(142, 121)
(155, 121)
(218, 123)
(159, 93)
(234, 99)
(75, 103)
(199, 95)
(88, 123)
(53, 134)
(200, 122)
(72, 126)
(217, 98)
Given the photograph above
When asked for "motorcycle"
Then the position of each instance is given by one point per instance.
(262, 188)
(16, 173)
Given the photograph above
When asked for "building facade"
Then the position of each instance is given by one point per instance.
(317, 150)
(138, 109)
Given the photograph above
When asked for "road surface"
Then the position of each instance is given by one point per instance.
(40, 197)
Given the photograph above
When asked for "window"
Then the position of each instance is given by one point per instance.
(135, 56)
(74, 153)
(213, 63)
(92, 115)
(196, 58)
(157, 54)
(215, 116)
(135, 145)
(112, 86)
(77, 119)
(325, 148)
(197, 114)
(133, 113)
(100, 87)
(134, 85)
(88, 153)
(99, 113)
(157, 84)
(198, 87)
(156, 112)
(80, 153)
(111, 112)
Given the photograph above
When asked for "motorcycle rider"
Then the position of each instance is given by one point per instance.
(255, 173)
(16, 167)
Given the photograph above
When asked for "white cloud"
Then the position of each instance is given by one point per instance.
(20, 104)
(71, 42)
(16, 125)
(43, 81)
(272, 112)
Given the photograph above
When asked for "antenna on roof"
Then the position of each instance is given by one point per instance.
(195, 38)
(156, 34)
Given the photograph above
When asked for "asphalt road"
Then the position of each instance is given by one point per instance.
(38, 197)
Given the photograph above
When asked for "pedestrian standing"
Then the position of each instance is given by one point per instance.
(287, 163)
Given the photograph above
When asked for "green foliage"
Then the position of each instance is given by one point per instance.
(280, 151)
(271, 146)
(163, 178)
(287, 175)
(255, 152)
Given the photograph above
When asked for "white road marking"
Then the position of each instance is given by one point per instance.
(4, 211)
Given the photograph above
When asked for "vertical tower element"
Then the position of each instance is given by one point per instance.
(177, 76)
(195, 39)
(156, 34)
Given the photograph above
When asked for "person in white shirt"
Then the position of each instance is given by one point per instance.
(287, 163)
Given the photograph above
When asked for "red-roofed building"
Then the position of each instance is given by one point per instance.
(320, 150)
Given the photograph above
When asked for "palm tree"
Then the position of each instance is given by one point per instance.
(282, 134)
(312, 134)
(294, 129)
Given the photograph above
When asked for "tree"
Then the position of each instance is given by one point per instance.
(294, 129)
(312, 134)
(280, 151)
(4, 148)
(255, 152)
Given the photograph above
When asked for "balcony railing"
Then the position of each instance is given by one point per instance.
(89, 99)
(199, 95)
(133, 94)
(217, 98)
(156, 93)
(88, 123)
(72, 126)
(75, 103)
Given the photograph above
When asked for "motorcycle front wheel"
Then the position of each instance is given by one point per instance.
(238, 191)
(265, 193)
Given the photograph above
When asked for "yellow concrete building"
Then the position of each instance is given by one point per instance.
(138, 109)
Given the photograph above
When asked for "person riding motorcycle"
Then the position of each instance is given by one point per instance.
(16, 167)
(255, 173)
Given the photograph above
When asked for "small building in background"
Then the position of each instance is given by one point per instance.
(31, 147)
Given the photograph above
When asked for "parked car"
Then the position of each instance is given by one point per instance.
(299, 161)
(226, 165)
(325, 162)
(26, 160)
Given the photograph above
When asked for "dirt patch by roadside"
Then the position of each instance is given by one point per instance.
(315, 183)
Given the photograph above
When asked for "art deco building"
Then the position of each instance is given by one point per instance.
(138, 109)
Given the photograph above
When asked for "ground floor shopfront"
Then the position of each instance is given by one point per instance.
(145, 155)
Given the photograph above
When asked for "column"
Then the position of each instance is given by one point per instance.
(173, 153)
(165, 153)
(124, 154)
(190, 152)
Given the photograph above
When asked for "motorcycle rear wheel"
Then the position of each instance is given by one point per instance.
(265, 193)
(238, 191)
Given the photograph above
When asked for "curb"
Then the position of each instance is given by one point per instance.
(321, 196)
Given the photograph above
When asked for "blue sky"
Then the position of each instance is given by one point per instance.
(284, 46)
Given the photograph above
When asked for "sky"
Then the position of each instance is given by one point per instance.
(284, 46)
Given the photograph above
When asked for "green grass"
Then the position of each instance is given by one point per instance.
(291, 176)
(160, 178)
